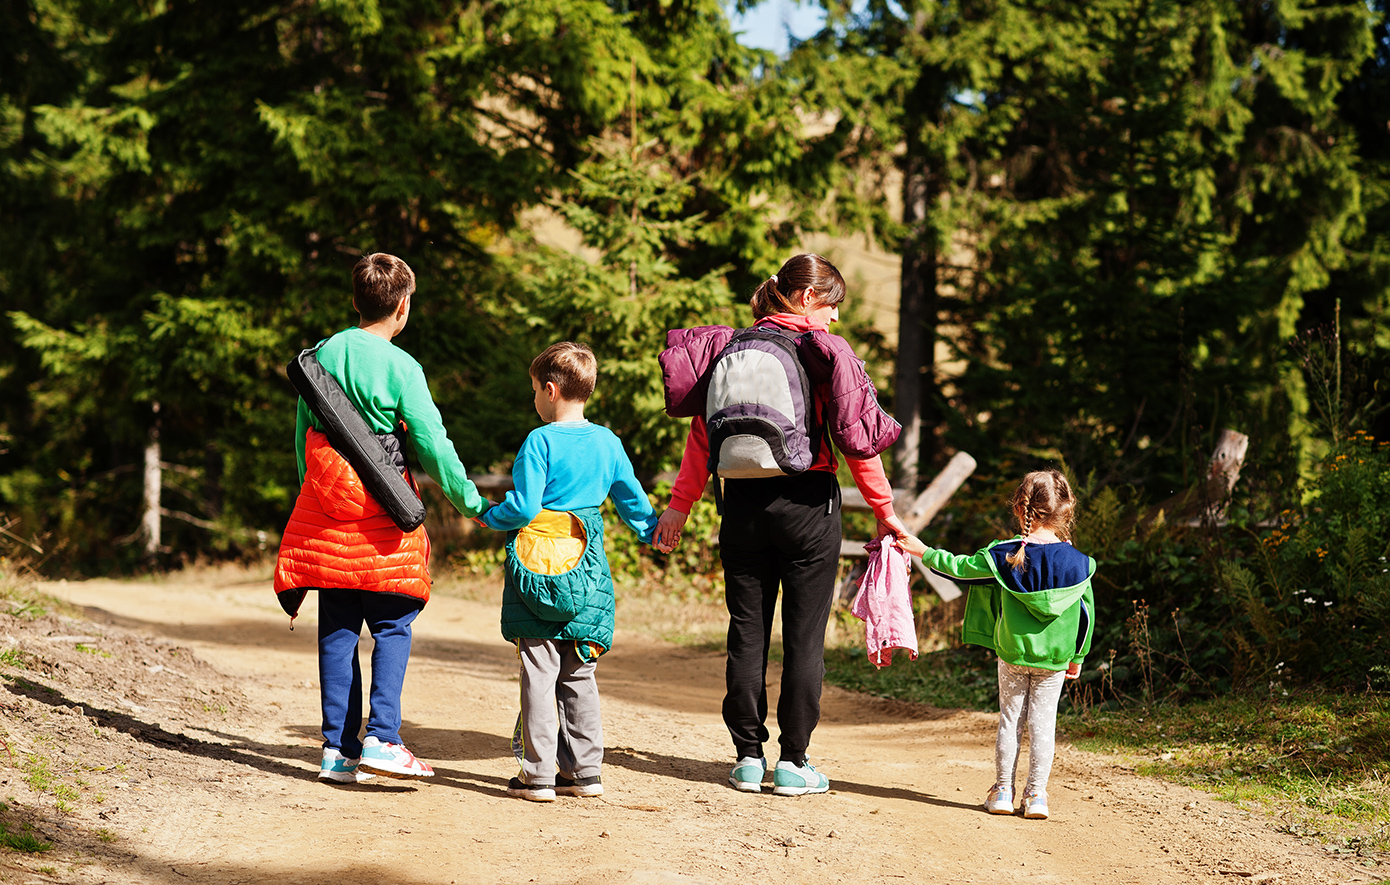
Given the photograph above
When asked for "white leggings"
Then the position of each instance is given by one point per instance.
(1028, 696)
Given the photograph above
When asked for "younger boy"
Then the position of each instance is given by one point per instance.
(557, 597)
(341, 542)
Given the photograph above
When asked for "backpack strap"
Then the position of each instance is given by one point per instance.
(350, 434)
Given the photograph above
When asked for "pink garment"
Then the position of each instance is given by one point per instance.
(884, 602)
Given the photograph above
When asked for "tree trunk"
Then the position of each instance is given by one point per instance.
(149, 523)
(915, 382)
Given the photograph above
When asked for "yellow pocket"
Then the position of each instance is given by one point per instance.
(552, 544)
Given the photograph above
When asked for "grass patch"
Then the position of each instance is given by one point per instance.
(13, 657)
(954, 678)
(1319, 761)
(24, 841)
(39, 774)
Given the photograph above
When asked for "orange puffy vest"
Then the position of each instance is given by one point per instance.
(340, 537)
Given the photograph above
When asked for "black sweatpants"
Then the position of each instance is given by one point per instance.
(780, 531)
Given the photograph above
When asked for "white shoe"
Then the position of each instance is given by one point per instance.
(339, 769)
(392, 760)
(1000, 800)
(1035, 806)
(747, 775)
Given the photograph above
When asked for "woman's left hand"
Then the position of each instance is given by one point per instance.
(908, 541)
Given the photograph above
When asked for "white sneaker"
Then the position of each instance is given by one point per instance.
(790, 779)
(747, 775)
(339, 769)
(1000, 800)
(392, 760)
(1035, 806)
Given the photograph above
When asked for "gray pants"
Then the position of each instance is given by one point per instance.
(560, 722)
(1028, 696)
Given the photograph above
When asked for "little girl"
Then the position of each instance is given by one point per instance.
(1030, 600)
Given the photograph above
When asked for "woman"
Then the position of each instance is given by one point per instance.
(784, 531)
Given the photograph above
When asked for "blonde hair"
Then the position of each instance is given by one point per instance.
(571, 367)
(1043, 500)
(379, 283)
(804, 271)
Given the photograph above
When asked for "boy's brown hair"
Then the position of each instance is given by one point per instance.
(571, 367)
(379, 283)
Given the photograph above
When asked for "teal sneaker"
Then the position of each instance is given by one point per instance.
(339, 769)
(748, 773)
(790, 779)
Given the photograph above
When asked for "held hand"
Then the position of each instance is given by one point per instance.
(893, 526)
(487, 505)
(1073, 670)
(668, 530)
(908, 541)
(913, 545)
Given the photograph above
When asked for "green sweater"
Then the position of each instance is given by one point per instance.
(1042, 615)
(388, 386)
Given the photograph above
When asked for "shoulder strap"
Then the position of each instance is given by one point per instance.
(354, 439)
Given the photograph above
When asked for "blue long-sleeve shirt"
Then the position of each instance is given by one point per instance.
(569, 465)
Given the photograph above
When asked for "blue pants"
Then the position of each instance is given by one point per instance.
(388, 618)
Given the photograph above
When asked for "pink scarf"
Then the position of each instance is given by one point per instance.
(796, 322)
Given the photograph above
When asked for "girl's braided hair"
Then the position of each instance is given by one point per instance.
(1044, 500)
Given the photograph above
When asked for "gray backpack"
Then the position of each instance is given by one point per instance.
(758, 408)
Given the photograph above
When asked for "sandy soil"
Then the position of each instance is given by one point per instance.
(180, 724)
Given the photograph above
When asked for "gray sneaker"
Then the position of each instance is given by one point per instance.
(790, 779)
(748, 773)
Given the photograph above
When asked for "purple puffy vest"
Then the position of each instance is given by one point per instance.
(758, 407)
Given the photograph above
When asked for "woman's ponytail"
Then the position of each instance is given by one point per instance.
(800, 272)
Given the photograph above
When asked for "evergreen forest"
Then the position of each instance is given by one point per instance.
(1123, 227)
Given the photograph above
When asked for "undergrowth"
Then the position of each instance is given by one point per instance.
(1321, 762)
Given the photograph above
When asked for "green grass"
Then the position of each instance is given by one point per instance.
(955, 678)
(26, 841)
(1321, 762)
(12, 657)
(39, 774)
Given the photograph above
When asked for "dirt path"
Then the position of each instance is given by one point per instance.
(236, 799)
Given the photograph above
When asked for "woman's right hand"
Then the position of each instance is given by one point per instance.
(668, 530)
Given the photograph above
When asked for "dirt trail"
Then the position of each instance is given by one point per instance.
(237, 799)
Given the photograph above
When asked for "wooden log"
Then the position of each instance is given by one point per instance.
(1206, 501)
(916, 516)
(935, 496)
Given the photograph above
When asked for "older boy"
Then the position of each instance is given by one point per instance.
(341, 542)
(557, 598)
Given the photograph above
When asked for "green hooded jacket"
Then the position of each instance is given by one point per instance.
(1041, 615)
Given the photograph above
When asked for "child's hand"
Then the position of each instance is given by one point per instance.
(1073, 670)
(487, 505)
(668, 530)
(913, 545)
